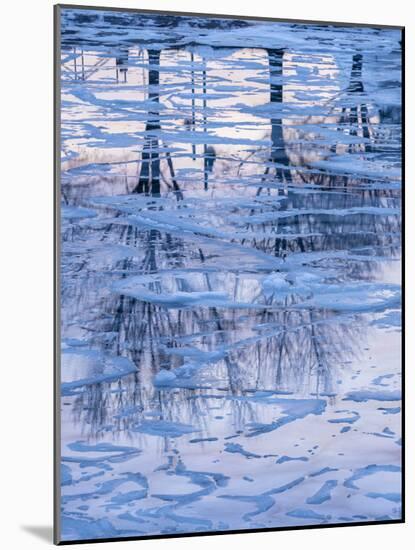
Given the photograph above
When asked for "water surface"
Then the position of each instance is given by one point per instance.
(230, 274)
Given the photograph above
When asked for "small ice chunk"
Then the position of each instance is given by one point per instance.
(164, 378)
(275, 282)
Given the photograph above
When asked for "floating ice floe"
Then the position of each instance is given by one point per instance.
(76, 212)
(164, 378)
(379, 380)
(291, 409)
(324, 493)
(370, 470)
(76, 528)
(354, 417)
(389, 410)
(82, 367)
(367, 395)
(276, 282)
(358, 297)
(305, 513)
(286, 458)
(66, 476)
(393, 497)
(135, 287)
(390, 319)
(163, 428)
(181, 377)
(348, 164)
(237, 448)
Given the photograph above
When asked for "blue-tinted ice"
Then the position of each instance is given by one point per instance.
(230, 274)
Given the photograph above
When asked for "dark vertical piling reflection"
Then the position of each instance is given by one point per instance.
(359, 114)
(278, 152)
(121, 64)
(149, 180)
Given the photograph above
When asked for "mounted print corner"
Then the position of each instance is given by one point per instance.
(228, 274)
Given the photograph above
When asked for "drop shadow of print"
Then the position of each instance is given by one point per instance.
(42, 532)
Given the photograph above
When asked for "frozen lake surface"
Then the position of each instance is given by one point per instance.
(230, 274)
